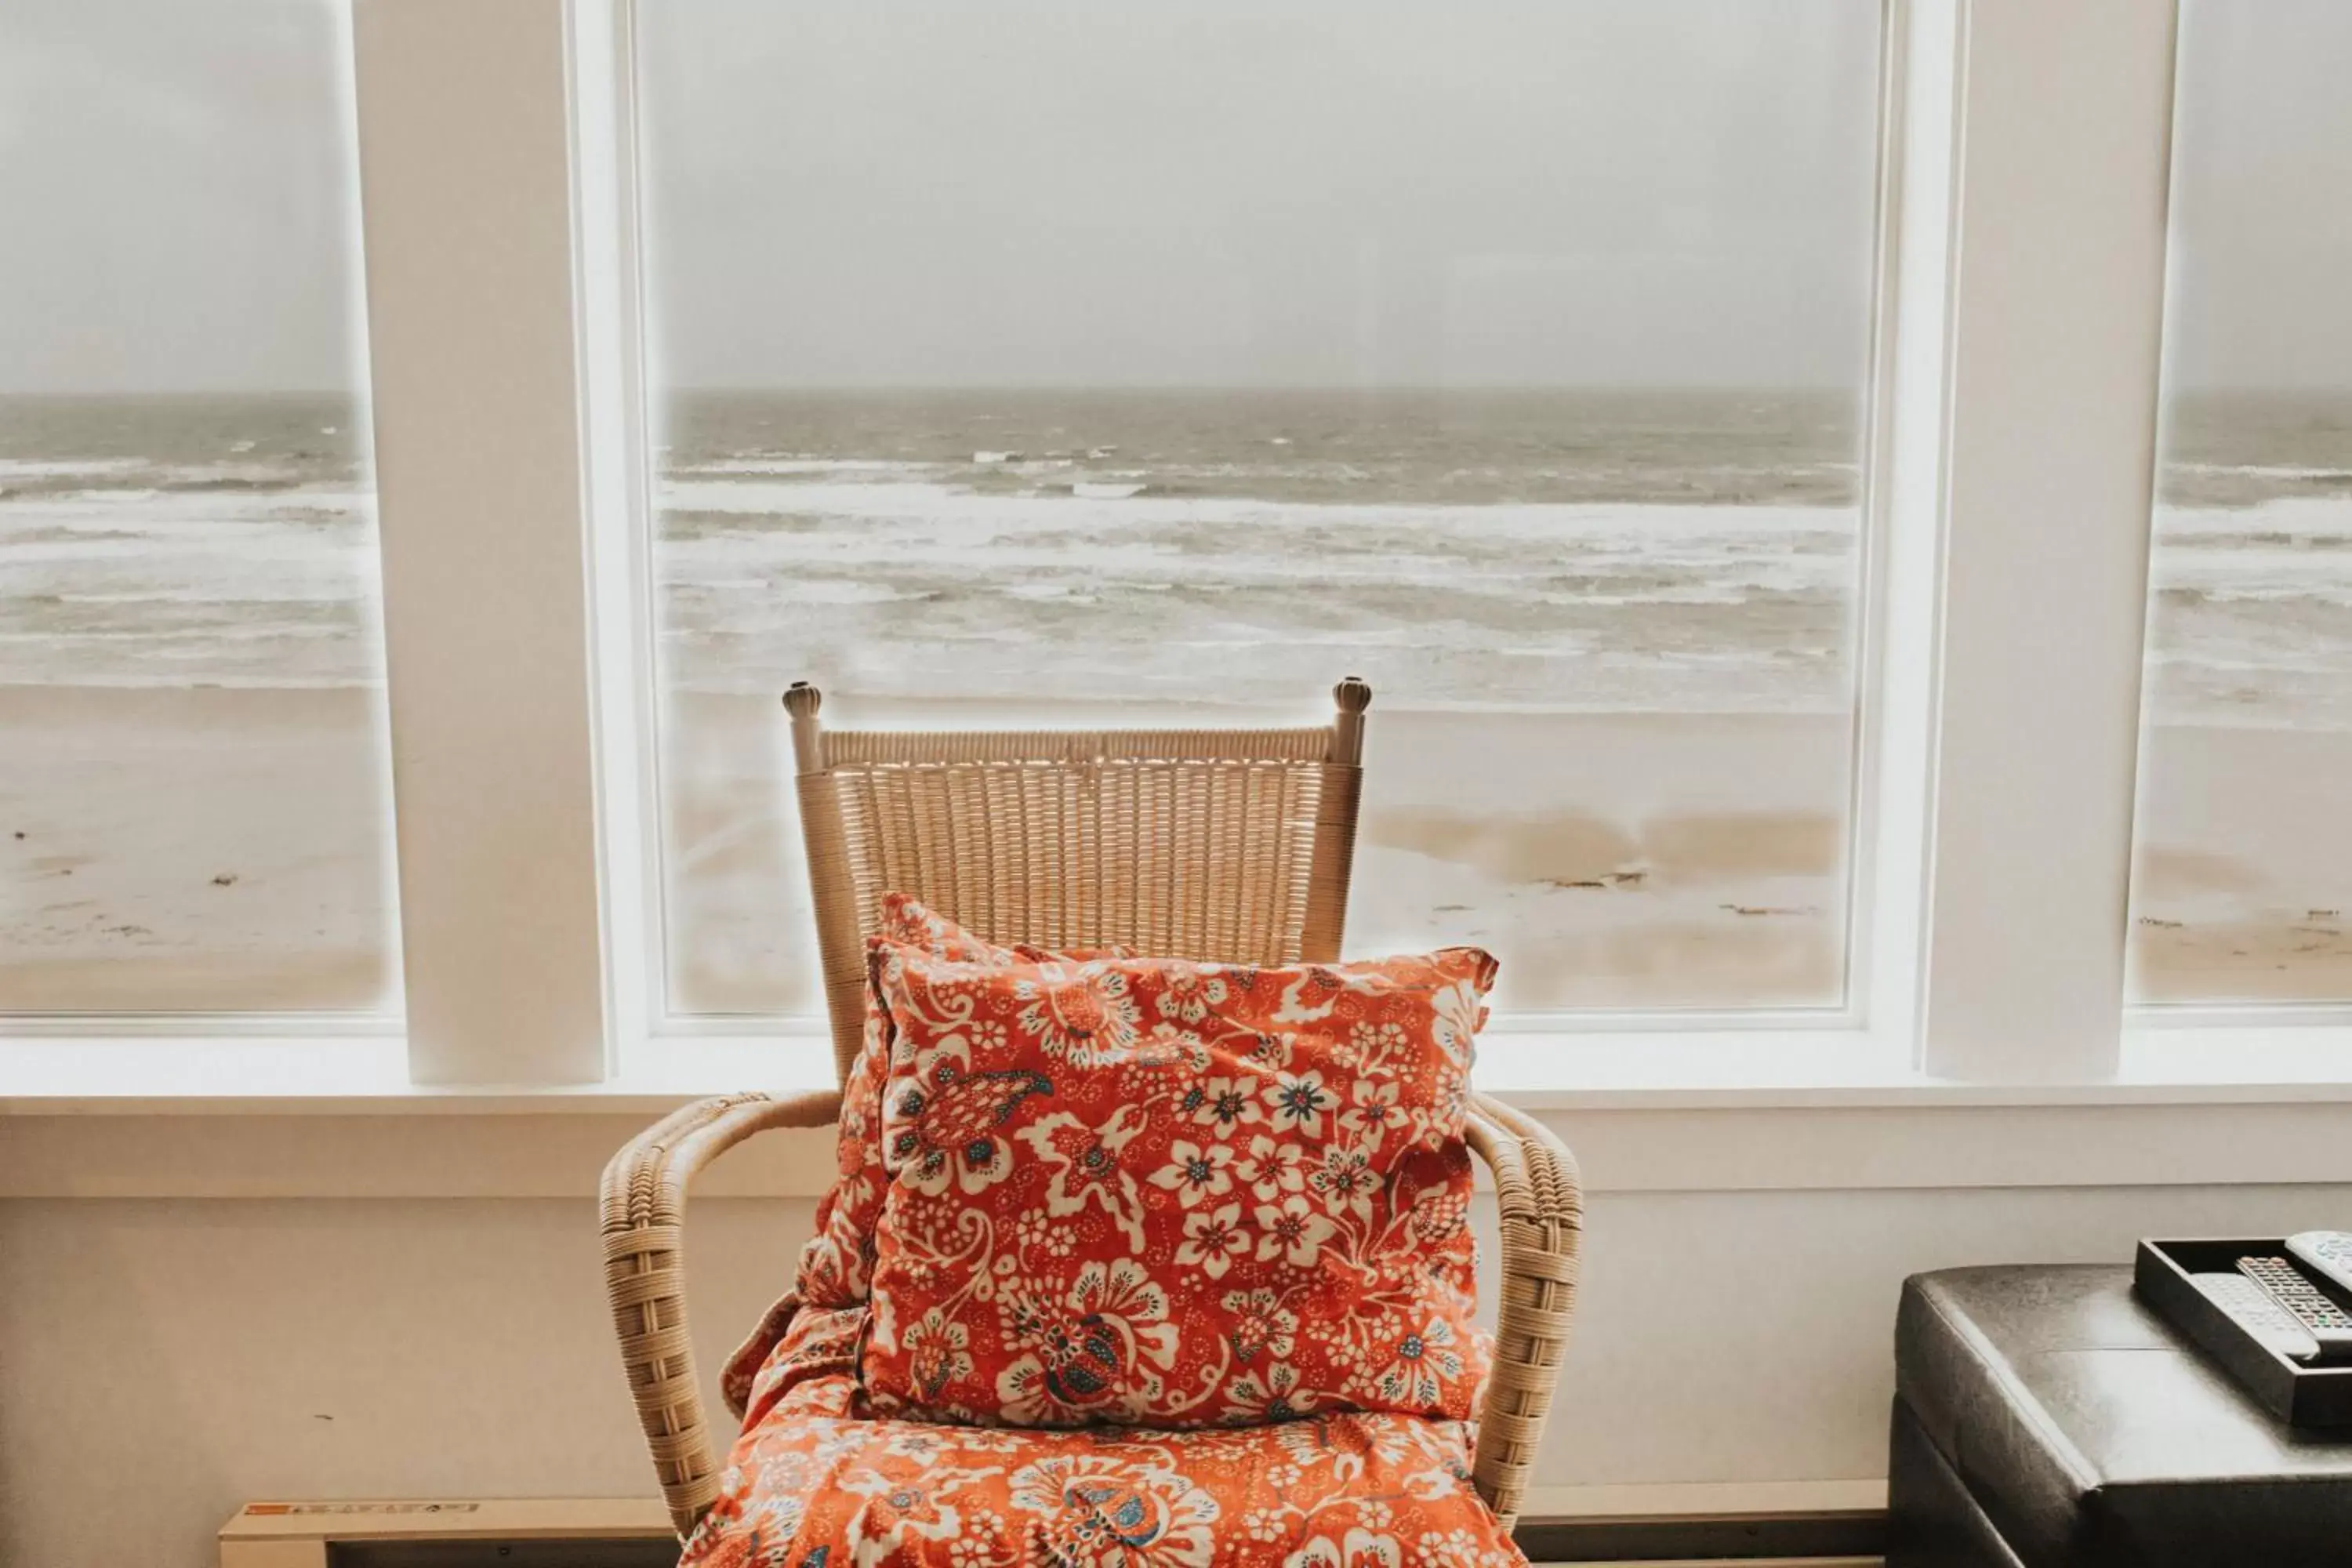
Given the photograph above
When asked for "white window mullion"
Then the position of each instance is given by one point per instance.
(1907, 501)
(2053, 346)
(608, 262)
(466, 181)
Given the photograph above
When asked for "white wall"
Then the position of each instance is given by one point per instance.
(167, 1360)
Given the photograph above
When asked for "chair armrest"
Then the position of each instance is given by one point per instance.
(643, 1204)
(1542, 1208)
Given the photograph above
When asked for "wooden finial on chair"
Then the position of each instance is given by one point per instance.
(802, 702)
(1353, 695)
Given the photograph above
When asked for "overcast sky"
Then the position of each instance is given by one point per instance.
(2261, 204)
(176, 195)
(1300, 192)
(1152, 192)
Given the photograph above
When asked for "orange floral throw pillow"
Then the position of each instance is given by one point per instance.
(835, 1261)
(1152, 1192)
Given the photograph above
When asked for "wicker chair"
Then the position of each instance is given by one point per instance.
(1232, 846)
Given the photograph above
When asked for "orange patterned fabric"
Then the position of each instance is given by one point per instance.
(1154, 1192)
(1339, 1090)
(808, 1486)
(833, 1264)
(837, 1260)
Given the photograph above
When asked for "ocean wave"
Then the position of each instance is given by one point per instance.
(977, 514)
(921, 579)
(233, 485)
(2262, 470)
(2292, 517)
(2249, 660)
(1570, 573)
(789, 464)
(169, 513)
(183, 680)
(226, 596)
(67, 468)
(1628, 581)
(2336, 596)
(137, 482)
(801, 591)
(165, 636)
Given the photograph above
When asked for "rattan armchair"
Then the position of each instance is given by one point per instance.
(1232, 846)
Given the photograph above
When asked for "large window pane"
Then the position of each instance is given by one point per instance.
(194, 799)
(1166, 362)
(2244, 876)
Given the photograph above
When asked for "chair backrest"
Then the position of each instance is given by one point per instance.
(1232, 846)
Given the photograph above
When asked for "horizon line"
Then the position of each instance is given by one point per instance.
(1070, 388)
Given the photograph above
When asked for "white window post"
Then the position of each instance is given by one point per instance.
(2052, 341)
(466, 181)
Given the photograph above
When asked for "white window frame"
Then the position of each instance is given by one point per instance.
(2011, 448)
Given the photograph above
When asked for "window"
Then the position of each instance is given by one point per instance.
(1056, 362)
(194, 809)
(1051, 364)
(2244, 864)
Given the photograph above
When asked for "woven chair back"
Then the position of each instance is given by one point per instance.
(1231, 845)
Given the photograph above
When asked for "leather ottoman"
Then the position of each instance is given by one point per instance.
(2043, 1419)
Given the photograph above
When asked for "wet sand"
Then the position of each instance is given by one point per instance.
(2243, 888)
(1612, 860)
(216, 849)
(198, 850)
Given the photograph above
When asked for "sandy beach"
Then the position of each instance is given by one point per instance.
(2245, 883)
(226, 848)
(194, 850)
(1612, 860)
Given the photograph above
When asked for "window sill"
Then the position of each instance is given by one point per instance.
(366, 1075)
(290, 1118)
(1656, 1070)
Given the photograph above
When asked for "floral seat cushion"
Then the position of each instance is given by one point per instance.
(809, 1486)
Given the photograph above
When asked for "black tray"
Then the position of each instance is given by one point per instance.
(2298, 1393)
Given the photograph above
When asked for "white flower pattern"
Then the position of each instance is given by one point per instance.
(1212, 1240)
(1296, 1102)
(1292, 1232)
(1082, 1014)
(1194, 1173)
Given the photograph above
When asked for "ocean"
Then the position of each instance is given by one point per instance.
(1526, 550)
(187, 540)
(1510, 551)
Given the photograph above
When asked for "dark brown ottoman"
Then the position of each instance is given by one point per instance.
(2043, 1419)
